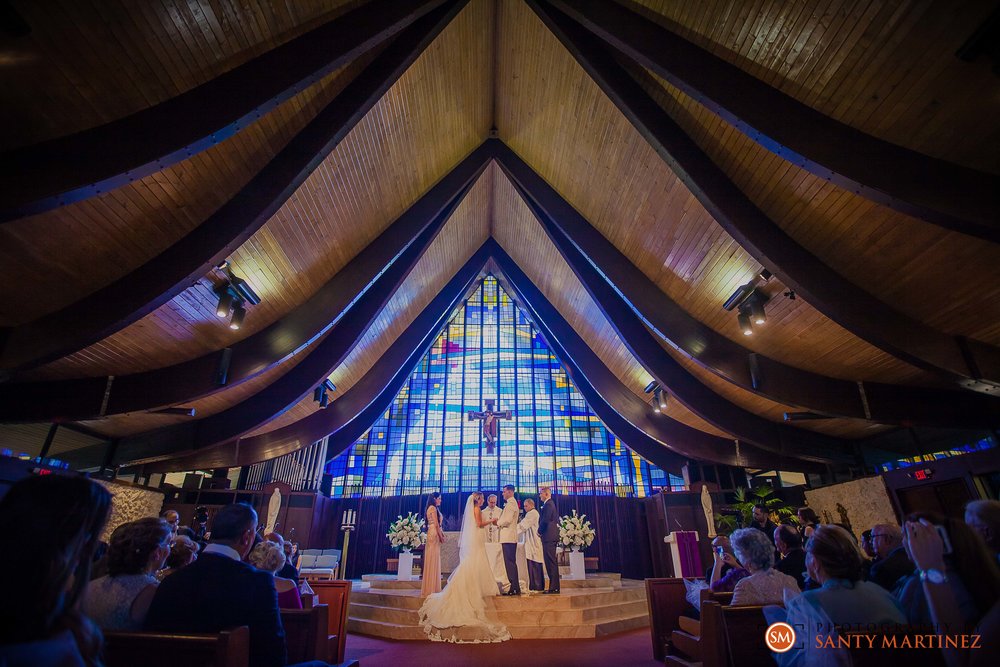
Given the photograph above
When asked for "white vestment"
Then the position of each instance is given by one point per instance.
(532, 542)
(492, 532)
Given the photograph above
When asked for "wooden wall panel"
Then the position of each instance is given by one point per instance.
(517, 231)
(71, 251)
(437, 113)
(461, 236)
(886, 68)
(560, 123)
(88, 62)
(948, 280)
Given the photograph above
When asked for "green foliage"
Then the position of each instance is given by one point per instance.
(778, 510)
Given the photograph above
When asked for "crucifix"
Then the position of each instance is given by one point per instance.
(491, 422)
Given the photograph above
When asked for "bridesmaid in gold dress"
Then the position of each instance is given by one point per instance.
(431, 579)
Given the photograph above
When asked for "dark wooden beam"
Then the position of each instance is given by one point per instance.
(142, 291)
(44, 176)
(657, 438)
(91, 398)
(352, 413)
(672, 376)
(876, 402)
(940, 192)
(49, 437)
(299, 382)
(966, 363)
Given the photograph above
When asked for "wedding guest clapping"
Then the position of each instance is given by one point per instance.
(532, 546)
(120, 600)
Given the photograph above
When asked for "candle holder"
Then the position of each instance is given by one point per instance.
(348, 522)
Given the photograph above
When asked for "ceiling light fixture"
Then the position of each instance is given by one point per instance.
(321, 395)
(661, 398)
(656, 402)
(239, 312)
(756, 307)
(744, 320)
(225, 303)
(739, 296)
(653, 384)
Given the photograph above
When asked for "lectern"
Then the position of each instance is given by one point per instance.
(684, 553)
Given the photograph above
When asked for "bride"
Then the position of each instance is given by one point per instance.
(458, 612)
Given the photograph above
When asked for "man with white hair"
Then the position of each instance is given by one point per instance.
(892, 564)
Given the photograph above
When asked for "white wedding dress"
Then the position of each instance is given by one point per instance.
(458, 613)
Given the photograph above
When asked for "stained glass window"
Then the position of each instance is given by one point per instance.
(425, 441)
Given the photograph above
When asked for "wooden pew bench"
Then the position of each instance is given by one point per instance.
(336, 595)
(685, 642)
(733, 636)
(229, 648)
(666, 603)
(306, 635)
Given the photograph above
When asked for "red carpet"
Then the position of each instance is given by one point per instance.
(625, 649)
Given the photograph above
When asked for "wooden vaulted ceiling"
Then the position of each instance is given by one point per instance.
(496, 69)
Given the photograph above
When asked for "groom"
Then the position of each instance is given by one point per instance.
(508, 538)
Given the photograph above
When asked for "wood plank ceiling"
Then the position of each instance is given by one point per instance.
(886, 69)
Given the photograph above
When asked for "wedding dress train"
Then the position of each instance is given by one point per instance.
(458, 613)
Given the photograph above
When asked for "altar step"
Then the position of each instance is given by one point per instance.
(593, 580)
(578, 612)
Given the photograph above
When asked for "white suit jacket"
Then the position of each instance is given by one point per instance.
(532, 542)
(508, 522)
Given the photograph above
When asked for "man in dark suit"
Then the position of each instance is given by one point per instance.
(892, 564)
(219, 591)
(793, 558)
(548, 531)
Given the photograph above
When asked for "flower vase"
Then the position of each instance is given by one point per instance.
(574, 549)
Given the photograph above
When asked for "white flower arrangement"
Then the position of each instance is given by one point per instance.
(575, 531)
(406, 532)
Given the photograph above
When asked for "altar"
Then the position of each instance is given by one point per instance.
(494, 553)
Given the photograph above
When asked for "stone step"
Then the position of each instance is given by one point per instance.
(409, 599)
(389, 582)
(513, 617)
(409, 632)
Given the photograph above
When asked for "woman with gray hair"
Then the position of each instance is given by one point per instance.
(765, 585)
(270, 557)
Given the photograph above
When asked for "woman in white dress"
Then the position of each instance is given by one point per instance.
(458, 613)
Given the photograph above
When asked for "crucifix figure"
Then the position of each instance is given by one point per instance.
(491, 422)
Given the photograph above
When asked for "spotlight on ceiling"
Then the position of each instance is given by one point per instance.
(321, 395)
(744, 320)
(739, 296)
(651, 386)
(226, 299)
(239, 312)
(755, 304)
(656, 404)
(329, 385)
(661, 398)
(764, 275)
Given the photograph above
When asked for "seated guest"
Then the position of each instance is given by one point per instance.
(808, 520)
(172, 518)
(868, 551)
(120, 599)
(983, 516)
(726, 570)
(183, 551)
(765, 585)
(969, 570)
(288, 570)
(762, 521)
(219, 591)
(270, 557)
(793, 557)
(892, 564)
(59, 519)
(834, 560)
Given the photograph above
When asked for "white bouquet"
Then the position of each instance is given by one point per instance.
(406, 532)
(575, 531)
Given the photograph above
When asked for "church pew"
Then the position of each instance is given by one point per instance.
(666, 603)
(229, 648)
(686, 639)
(336, 595)
(306, 634)
(728, 631)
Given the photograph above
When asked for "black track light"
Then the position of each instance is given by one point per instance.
(329, 385)
(318, 393)
(739, 296)
(239, 312)
(653, 384)
(661, 398)
(324, 400)
(744, 319)
(757, 314)
(225, 304)
(656, 403)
